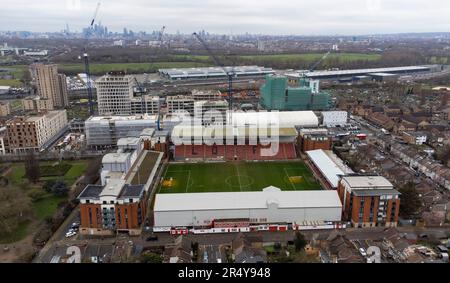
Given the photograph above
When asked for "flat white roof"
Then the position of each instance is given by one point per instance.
(113, 187)
(115, 157)
(330, 170)
(128, 141)
(123, 118)
(283, 118)
(365, 182)
(361, 71)
(246, 200)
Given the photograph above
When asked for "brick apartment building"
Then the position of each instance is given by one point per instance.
(313, 139)
(35, 132)
(369, 201)
(117, 206)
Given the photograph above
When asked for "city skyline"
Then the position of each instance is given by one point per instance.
(349, 17)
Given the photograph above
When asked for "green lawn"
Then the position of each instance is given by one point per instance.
(235, 177)
(76, 170)
(12, 83)
(100, 69)
(315, 56)
(46, 207)
(290, 57)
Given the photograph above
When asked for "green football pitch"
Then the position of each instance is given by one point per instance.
(236, 177)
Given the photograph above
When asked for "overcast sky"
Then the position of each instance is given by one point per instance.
(299, 17)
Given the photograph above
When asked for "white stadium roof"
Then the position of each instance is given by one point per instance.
(329, 169)
(283, 118)
(246, 200)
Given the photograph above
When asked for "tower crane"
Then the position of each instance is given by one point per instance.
(86, 64)
(316, 64)
(160, 39)
(229, 72)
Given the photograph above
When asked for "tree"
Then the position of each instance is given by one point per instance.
(410, 202)
(60, 188)
(444, 98)
(48, 185)
(149, 257)
(443, 154)
(299, 241)
(92, 171)
(15, 209)
(32, 171)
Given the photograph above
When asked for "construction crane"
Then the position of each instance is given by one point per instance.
(161, 34)
(316, 64)
(86, 64)
(229, 72)
(141, 93)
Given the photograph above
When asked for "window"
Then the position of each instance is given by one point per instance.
(131, 200)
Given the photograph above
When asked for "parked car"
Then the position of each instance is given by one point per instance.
(70, 234)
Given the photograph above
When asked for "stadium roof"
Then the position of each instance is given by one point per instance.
(283, 118)
(329, 169)
(247, 200)
(183, 132)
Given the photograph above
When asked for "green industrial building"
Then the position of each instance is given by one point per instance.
(277, 95)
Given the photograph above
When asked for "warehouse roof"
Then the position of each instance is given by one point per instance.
(247, 200)
(329, 169)
(360, 71)
(214, 71)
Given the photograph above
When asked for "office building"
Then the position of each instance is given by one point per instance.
(114, 94)
(180, 103)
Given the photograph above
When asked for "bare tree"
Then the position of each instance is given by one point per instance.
(32, 171)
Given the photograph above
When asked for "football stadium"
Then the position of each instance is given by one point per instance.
(236, 177)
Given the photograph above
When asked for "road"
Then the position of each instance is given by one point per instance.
(211, 242)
